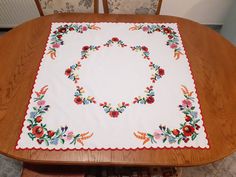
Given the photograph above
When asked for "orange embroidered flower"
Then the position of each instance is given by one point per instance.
(38, 131)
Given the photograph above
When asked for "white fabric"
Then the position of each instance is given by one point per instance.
(114, 75)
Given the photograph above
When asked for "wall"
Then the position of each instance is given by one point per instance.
(202, 11)
(229, 28)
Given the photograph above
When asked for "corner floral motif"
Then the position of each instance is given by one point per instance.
(143, 49)
(57, 36)
(173, 38)
(148, 99)
(71, 72)
(80, 99)
(159, 72)
(86, 49)
(186, 131)
(39, 132)
(114, 40)
(114, 112)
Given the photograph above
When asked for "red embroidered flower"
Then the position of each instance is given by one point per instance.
(114, 113)
(39, 141)
(170, 36)
(175, 132)
(38, 119)
(187, 118)
(38, 131)
(85, 48)
(51, 133)
(84, 28)
(186, 140)
(68, 72)
(144, 48)
(59, 36)
(150, 100)
(197, 126)
(188, 130)
(161, 72)
(167, 30)
(71, 29)
(115, 39)
(78, 100)
(145, 28)
(62, 30)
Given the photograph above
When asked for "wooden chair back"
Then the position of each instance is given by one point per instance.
(46, 7)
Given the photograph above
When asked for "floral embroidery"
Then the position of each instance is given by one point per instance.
(173, 38)
(114, 112)
(86, 49)
(143, 49)
(159, 72)
(70, 72)
(186, 131)
(115, 40)
(148, 99)
(56, 37)
(80, 99)
(39, 131)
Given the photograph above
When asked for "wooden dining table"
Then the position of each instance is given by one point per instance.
(213, 62)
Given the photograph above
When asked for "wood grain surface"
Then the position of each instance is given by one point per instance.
(213, 63)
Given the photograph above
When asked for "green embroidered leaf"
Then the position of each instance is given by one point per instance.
(179, 140)
(31, 136)
(164, 140)
(46, 141)
(30, 121)
(196, 121)
(168, 131)
(62, 141)
(194, 135)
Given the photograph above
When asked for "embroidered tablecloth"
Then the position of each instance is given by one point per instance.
(113, 86)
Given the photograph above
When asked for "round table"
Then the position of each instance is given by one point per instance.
(213, 63)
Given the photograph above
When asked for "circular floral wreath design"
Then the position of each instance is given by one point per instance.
(80, 96)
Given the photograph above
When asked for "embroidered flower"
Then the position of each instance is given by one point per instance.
(144, 48)
(68, 72)
(161, 72)
(157, 134)
(78, 100)
(38, 131)
(188, 130)
(84, 28)
(173, 46)
(145, 28)
(56, 45)
(41, 102)
(51, 133)
(62, 30)
(115, 39)
(187, 103)
(70, 135)
(38, 119)
(187, 118)
(114, 114)
(85, 48)
(175, 132)
(167, 30)
(150, 100)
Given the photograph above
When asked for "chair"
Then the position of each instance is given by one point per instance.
(47, 7)
(132, 6)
